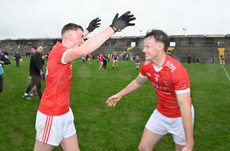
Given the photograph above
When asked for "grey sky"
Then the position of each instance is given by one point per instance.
(45, 18)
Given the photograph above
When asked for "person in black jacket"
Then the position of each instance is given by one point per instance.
(17, 58)
(3, 61)
(105, 59)
(35, 72)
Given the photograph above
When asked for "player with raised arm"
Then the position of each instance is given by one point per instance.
(55, 121)
(174, 113)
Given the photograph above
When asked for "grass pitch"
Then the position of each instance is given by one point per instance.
(100, 128)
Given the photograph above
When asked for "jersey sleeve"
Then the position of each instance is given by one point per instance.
(181, 81)
(62, 55)
(143, 69)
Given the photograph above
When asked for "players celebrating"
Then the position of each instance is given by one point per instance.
(54, 121)
(174, 113)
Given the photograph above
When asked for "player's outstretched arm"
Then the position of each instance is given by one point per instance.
(134, 85)
(96, 41)
(112, 101)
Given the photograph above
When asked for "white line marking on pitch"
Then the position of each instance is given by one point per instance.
(226, 72)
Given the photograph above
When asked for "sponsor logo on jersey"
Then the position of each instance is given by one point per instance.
(148, 74)
(171, 66)
(156, 75)
(159, 87)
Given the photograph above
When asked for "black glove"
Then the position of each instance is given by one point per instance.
(122, 22)
(93, 24)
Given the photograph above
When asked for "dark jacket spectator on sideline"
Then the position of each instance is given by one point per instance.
(3, 61)
(17, 58)
(35, 72)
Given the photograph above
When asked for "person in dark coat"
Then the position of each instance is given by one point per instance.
(3, 61)
(35, 72)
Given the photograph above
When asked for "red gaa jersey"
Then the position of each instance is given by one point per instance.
(55, 99)
(171, 79)
(100, 57)
(89, 56)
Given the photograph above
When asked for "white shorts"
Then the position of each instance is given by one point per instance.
(137, 63)
(101, 62)
(52, 129)
(114, 60)
(162, 125)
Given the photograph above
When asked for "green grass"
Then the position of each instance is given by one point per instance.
(116, 129)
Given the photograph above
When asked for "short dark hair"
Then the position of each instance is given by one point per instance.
(159, 36)
(34, 47)
(70, 26)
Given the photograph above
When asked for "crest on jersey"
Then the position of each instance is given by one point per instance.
(165, 81)
(183, 84)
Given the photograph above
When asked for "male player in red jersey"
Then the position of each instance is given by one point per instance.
(174, 113)
(54, 121)
(100, 58)
(89, 58)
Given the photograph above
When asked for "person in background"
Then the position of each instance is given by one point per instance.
(137, 61)
(35, 72)
(34, 89)
(3, 61)
(43, 65)
(189, 59)
(100, 58)
(17, 58)
(83, 60)
(89, 58)
(115, 60)
(105, 59)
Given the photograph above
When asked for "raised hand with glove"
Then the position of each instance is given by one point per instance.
(94, 24)
(123, 21)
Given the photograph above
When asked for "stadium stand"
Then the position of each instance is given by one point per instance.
(201, 48)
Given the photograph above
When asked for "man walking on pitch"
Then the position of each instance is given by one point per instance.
(35, 72)
(174, 113)
(55, 121)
